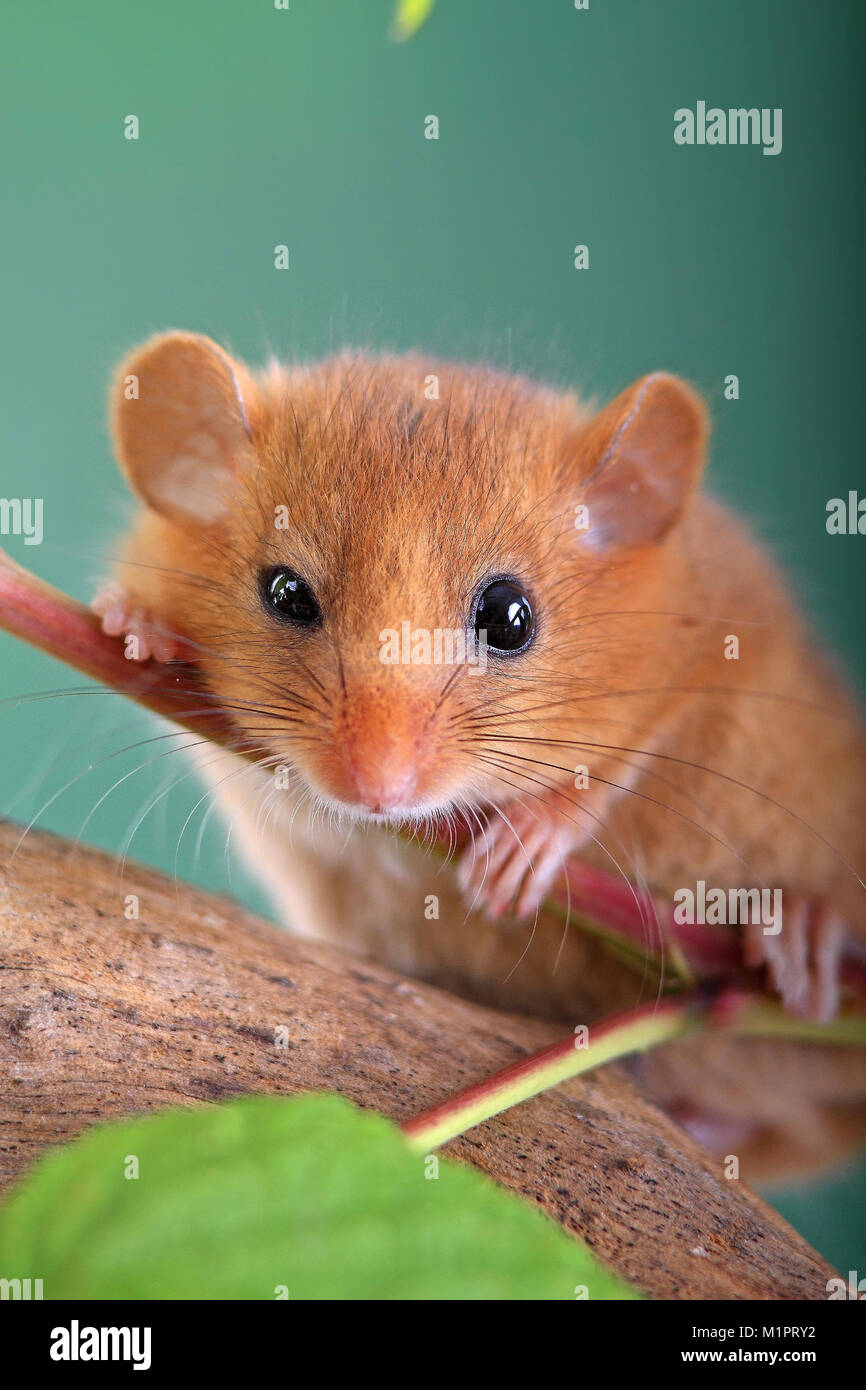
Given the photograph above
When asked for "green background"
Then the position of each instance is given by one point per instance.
(305, 127)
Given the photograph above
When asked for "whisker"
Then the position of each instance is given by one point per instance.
(666, 782)
(726, 777)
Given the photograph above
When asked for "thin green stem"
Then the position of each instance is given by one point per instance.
(733, 1010)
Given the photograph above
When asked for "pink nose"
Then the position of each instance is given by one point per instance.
(385, 784)
(378, 756)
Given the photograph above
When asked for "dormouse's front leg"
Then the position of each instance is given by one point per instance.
(803, 959)
(514, 861)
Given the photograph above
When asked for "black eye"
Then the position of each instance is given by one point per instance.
(290, 597)
(505, 613)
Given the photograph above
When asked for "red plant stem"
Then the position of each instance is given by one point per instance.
(48, 619)
(637, 916)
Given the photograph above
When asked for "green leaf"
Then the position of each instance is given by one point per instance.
(308, 1194)
(409, 16)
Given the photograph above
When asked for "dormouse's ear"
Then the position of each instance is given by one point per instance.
(180, 420)
(640, 461)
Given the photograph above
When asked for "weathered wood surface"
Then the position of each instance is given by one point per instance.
(101, 1016)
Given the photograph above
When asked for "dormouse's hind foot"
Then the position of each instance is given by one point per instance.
(142, 635)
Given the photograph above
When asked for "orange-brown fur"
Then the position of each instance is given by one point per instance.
(399, 507)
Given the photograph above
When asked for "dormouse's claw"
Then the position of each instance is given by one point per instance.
(803, 960)
(142, 634)
(511, 867)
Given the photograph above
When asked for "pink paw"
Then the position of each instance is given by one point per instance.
(142, 636)
(804, 959)
(512, 865)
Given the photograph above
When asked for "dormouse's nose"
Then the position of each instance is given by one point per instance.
(382, 750)
(382, 781)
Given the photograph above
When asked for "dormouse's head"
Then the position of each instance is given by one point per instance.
(402, 577)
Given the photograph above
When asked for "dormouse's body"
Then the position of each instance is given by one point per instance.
(295, 522)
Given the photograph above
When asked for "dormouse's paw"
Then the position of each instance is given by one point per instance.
(803, 959)
(142, 635)
(512, 865)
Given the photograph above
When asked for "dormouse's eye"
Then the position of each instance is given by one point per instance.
(505, 613)
(290, 597)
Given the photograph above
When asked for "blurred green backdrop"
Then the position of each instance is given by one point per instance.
(305, 126)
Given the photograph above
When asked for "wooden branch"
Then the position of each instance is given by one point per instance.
(104, 1017)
